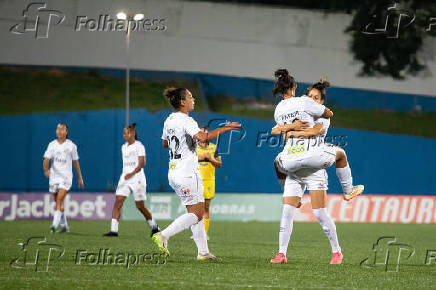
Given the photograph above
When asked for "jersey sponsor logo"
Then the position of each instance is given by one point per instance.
(130, 164)
(296, 150)
(172, 166)
(60, 160)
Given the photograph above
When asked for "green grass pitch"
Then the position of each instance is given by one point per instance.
(245, 249)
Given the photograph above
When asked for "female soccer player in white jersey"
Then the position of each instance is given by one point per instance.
(180, 136)
(296, 182)
(301, 151)
(132, 180)
(62, 153)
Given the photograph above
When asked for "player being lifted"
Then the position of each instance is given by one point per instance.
(62, 153)
(208, 160)
(132, 180)
(180, 136)
(315, 178)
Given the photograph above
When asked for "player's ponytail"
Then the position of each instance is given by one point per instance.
(284, 82)
(133, 128)
(322, 85)
(175, 96)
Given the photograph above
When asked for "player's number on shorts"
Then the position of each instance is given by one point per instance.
(174, 153)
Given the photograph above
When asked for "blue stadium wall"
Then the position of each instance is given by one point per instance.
(385, 163)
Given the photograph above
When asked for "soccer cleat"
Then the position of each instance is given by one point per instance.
(208, 257)
(280, 258)
(357, 190)
(64, 230)
(336, 258)
(161, 243)
(52, 229)
(111, 234)
(154, 231)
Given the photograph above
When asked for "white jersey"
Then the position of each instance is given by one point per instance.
(61, 156)
(179, 131)
(302, 108)
(131, 155)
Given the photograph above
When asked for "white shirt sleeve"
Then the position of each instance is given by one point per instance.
(49, 152)
(164, 134)
(191, 127)
(74, 155)
(313, 108)
(140, 149)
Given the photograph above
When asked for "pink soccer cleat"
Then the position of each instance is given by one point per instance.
(280, 258)
(336, 258)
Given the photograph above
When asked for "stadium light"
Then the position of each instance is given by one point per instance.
(137, 17)
(121, 15)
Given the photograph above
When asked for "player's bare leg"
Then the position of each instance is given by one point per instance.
(318, 200)
(140, 205)
(116, 215)
(343, 172)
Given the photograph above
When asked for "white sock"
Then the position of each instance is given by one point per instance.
(179, 224)
(152, 223)
(57, 218)
(64, 222)
(345, 178)
(199, 235)
(114, 225)
(328, 225)
(286, 225)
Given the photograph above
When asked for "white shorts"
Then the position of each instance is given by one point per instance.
(58, 184)
(312, 179)
(137, 186)
(188, 188)
(292, 160)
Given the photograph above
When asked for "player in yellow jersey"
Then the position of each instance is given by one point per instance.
(208, 159)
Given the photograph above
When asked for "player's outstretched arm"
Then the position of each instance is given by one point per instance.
(203, 137)
(79, 173)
